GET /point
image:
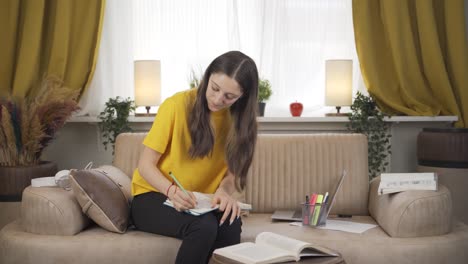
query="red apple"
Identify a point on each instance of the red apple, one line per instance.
(296, 108)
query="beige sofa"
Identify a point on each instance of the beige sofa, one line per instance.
(413, 227)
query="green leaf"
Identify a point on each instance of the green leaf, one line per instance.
(114, 119)
(367, 119)
(264, 90)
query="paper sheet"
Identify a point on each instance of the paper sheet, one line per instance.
(347, 226)
(340, 225)
(43, 182)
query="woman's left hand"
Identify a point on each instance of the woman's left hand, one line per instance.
(227, 204)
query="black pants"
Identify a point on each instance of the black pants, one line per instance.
(200, 235)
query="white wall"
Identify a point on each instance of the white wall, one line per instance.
(79, 143)
(76, 145)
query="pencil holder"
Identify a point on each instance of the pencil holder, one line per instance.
(314, 214)
(305, 214)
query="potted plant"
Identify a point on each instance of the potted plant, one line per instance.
(366, 118)
(264, 93)
(27, 126)
(114, 119)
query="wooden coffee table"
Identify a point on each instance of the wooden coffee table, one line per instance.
(217, 259)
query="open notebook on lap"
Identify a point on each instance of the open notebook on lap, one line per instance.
(296, 215)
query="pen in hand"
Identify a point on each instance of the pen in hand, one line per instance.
(178, 183)
(182, 188)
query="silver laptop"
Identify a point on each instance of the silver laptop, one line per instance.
(296, 215)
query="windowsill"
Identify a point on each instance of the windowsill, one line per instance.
(308, 119)
(345, 119)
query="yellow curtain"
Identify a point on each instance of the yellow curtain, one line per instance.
(48, 37)
(414, 55)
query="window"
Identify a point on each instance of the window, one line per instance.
(289, 40)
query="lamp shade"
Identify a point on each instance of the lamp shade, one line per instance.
(147, 82)
(338, 82)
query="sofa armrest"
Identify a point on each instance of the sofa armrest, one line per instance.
(51, 211)
(411, 213)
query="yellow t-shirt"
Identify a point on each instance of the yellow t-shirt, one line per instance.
(170, 136)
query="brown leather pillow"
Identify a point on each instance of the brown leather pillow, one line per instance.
(101, 199)
(120, 178)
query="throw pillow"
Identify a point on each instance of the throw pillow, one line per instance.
(101, 199)
(120, 178)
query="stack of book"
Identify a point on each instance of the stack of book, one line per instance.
(399, 182)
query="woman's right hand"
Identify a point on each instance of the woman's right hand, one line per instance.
(180, 199)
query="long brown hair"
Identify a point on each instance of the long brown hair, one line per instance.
(242, 136)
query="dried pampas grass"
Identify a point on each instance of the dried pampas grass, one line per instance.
(28, 125)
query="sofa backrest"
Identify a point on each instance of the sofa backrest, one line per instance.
(286, 168)
(128, 148)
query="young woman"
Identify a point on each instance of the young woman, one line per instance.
(206, 138)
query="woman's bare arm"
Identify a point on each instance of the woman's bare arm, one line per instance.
(150, 172)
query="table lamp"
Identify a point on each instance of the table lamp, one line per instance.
(338, 84)
(147, 84)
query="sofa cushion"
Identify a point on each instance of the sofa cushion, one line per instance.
(412, 213)
(95, 245)
(51, 211)
(372, 246)
(101, 199)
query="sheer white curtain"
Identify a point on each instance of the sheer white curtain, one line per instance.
(183, 34)
(289, 40)
(113, 75)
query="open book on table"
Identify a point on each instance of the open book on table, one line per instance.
(204, 204)
(273, 248)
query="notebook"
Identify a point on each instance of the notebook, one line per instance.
(296, 215)
(204, 204)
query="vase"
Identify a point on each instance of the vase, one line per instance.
(14, 179)
(261, 108)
